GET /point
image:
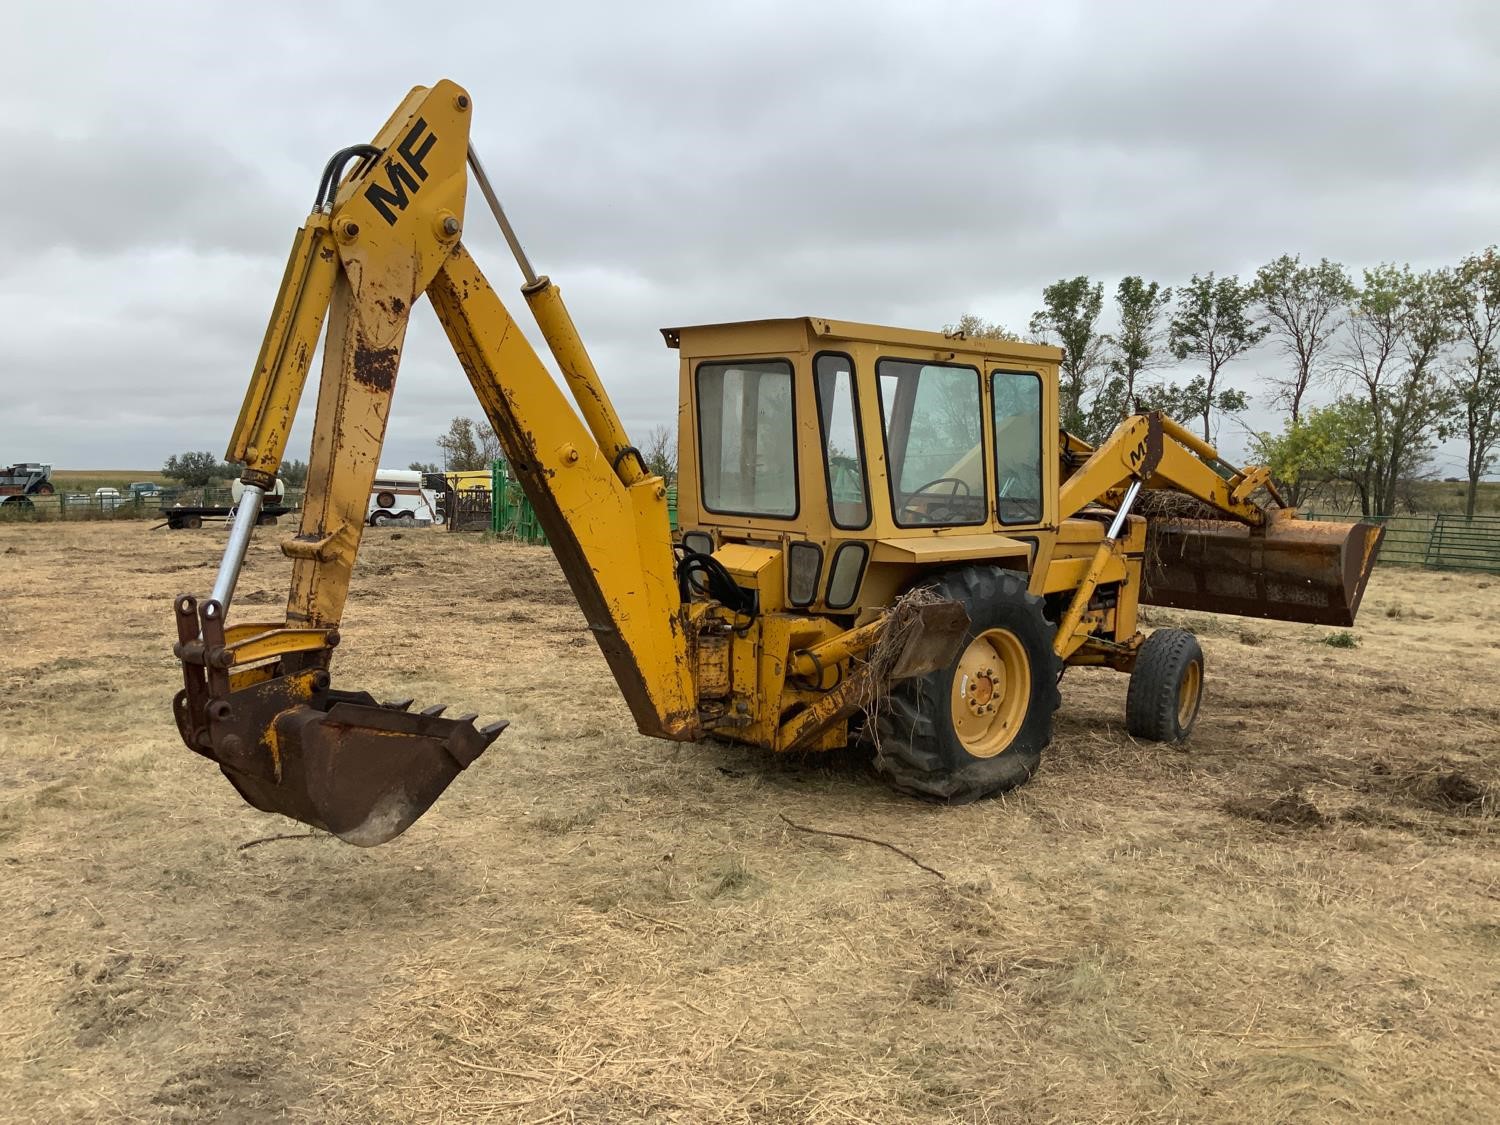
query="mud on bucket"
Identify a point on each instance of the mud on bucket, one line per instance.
(338, 760)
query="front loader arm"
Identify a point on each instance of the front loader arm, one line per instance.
(1254, 561)
(257, 697)
(1162, 454)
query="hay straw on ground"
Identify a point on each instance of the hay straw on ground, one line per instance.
(595, 926)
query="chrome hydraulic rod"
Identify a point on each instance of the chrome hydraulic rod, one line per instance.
(558, 329)
(1117, 524)
(246, 516)
(1068, 626)
(499, 212)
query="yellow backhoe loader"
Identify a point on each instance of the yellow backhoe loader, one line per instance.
(879, 528)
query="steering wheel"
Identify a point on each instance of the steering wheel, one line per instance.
(940, 514)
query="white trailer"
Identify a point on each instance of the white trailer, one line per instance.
(398, 495)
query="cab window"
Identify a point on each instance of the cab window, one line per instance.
(1017, 400)
(746, 438)
(931, 415)
(843, 459)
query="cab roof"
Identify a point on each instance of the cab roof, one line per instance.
(777, 334)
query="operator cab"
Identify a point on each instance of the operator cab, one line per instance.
(855, 444)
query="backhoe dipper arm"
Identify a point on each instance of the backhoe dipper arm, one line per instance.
(257, 696)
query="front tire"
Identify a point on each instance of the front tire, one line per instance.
(1166, 687)
(977, 727)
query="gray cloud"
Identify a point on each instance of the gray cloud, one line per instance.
(680, 163)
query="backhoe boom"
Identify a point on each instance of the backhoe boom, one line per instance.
(256, 696)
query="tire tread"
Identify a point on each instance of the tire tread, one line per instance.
(908, 748)
(1151, 699)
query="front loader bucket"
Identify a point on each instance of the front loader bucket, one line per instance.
(333, 759)
(1289, 570)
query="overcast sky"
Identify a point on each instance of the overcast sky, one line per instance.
(680, 163)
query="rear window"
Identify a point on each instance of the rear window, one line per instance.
(747, 438)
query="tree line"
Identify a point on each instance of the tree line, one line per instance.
(1411, 359)
(469, 444)
(200, 468)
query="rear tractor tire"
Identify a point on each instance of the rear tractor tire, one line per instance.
(1166, 687)
(977, 727)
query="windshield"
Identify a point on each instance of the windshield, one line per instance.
(931, 414)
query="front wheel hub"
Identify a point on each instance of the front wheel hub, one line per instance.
(991, 684)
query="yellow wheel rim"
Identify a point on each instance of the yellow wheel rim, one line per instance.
(991, 691)
(1187, 694)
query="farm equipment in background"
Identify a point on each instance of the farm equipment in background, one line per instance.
(20, 482)
(190, 517)
(400, 496)
(874, 522)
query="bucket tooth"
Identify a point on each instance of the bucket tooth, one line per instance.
(399, 705)
(435, 710)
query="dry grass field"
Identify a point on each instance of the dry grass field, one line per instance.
(1295, 917)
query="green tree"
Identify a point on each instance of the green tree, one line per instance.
(293, 473)
(971, 327)
(1135, 349)
(1326, 444)
(1399, 324)
(1303, 307)
(1193, 399)
(1474, 304)
(468, 445)
(1213, 323)
(1069, 316)
(197, 469)
(660, 452)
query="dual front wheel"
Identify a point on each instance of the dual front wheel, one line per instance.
(978, 727)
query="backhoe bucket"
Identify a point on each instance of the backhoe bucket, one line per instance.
(1289, 570)
(336, 760)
